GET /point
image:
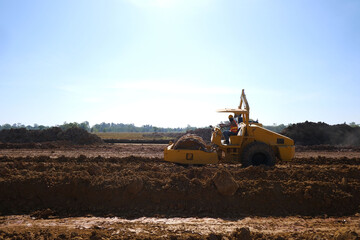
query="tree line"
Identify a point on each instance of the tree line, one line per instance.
(102, 127)
(84, 125)
(121, 127)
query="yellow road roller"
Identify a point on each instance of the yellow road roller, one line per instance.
(250, 144)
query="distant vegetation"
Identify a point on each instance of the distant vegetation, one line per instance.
(276, 128)
(84, 125)
(122, 128)
(101, 128)
(138, 135)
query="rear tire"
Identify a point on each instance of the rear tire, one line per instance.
(256, 154)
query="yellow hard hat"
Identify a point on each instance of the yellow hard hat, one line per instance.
(231, 116)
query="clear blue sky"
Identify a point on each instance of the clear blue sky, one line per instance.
(170, 63)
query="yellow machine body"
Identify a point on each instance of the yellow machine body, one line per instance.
(249, 132)
(283, 147)
(184, 156)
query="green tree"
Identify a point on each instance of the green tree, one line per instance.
(353, 124)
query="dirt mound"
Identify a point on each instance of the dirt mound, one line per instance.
(136, 186)
(310, 133)
(127, 232)
(79, 136)
(204, 133)
(225, 183)
(190, 141)
(73, 135)
(242, 233)
(346, 234)
(45, 214)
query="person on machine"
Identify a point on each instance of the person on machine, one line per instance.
(240, 119)
(233, 129)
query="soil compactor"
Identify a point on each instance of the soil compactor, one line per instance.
(253, 144)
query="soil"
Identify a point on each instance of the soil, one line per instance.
(190, 141)
(204, 133)
(135, 186)
(310, 133)
(126, 191)
(72, 135)
(25, 227)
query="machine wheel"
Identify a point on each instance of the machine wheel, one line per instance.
(257, 153)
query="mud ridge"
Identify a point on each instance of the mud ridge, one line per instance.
(73, 135)
(136, 186)
(310, 133)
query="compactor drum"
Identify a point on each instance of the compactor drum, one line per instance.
(253, 144)
(190, 149)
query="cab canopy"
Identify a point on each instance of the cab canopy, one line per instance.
(240, 111)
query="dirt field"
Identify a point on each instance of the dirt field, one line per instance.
(126, 191)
